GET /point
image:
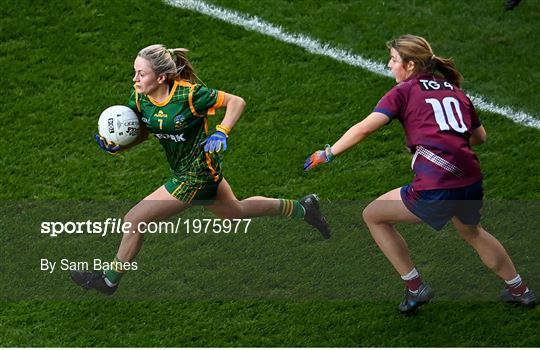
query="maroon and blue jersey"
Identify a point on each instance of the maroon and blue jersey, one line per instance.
(438, 119)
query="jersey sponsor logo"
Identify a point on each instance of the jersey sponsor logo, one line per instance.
(179, 121)
(175, 138)
(160, 114)
(430, 85)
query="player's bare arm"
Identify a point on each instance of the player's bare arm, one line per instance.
(234, 107)
(354, 135)
(359, 132)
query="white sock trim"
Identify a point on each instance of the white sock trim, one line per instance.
(109, 283)
(514, 280)
(412, 274)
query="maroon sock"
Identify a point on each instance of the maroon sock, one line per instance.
(517, 288)
(414, 283)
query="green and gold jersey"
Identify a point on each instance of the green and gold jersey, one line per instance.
(181, 125)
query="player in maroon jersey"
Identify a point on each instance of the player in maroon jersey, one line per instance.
(440, 125)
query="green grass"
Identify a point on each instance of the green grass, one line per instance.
(268, 324)
(484, 42)
(64, 62)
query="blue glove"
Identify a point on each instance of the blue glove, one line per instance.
(319, 157)
(217, 142)
(108, 146)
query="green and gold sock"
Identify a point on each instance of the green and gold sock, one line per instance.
(115, 273)
(291, 208)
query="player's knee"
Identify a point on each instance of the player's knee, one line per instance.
(369, 214)
(133, 224)
(469, 232)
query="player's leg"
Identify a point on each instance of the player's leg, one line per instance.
(157, 206)
(494, 256)
(380, 217)
(226, 205)
(490, 250)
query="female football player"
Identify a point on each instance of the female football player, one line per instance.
(175, 108)
(440, 126)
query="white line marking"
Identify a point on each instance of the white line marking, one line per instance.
(314, 46)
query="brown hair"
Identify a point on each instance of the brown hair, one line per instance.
(171, 62)
(417, 49)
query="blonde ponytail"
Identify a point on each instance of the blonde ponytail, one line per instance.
(171, 62)
(184, 69)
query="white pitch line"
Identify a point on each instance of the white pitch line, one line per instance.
(314, 46)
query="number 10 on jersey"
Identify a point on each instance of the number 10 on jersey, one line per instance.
(448, 114)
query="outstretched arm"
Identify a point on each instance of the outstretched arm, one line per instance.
(359, 132)
(354, 135)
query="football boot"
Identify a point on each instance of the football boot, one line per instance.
(527, 299)
(92, 280)
(412, 301)
(314, 216)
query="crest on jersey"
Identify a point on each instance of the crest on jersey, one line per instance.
(160, 114)
(179, 121)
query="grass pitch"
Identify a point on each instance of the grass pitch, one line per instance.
(64, 62)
